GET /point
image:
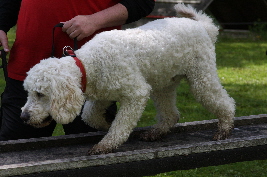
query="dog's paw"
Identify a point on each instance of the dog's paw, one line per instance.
(152, 135)
(222, 135)
(99, 149)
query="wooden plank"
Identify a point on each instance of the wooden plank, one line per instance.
(239, 14)
(180, 1)
(164, 8)
(64, 155)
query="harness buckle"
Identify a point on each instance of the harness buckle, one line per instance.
(68, 51)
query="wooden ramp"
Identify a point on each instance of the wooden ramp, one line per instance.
(240, 14)
(164, 8)
(189, 145)
(230, 14)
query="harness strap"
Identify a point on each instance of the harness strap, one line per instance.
(68, 51)
(80, 65)
(75, 46)
(4, 63)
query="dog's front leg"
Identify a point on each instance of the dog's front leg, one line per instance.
(126, 119)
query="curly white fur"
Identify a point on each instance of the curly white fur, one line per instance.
(129, 66)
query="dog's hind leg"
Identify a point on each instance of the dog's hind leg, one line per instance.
(206, 88)
(167, 113)
(94, 114)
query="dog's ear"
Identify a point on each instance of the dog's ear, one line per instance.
(66, 100)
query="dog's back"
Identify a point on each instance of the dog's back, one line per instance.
(172, 42)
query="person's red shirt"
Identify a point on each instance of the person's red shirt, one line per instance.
(34, 30)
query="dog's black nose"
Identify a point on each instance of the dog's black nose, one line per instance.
(25, 116)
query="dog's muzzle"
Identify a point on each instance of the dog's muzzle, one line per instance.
(25, 116)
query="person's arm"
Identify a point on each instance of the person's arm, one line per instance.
(124, 12)
(83, 26)
(9, 10)
(138, 9)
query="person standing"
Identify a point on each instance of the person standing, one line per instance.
(35, 21)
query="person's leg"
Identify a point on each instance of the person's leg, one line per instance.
(111, 112)
(78, 125)
(13, 98)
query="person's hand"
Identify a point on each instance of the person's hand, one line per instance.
(83, 26)
(4, 41)
(80, 26)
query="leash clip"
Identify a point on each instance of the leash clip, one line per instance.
(68, 51)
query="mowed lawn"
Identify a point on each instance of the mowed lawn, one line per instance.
(242, 68)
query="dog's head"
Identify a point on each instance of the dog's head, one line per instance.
(54, 92)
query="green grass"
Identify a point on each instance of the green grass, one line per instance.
(257, 168)
(242, 66)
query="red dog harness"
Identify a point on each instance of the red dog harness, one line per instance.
(68, 51)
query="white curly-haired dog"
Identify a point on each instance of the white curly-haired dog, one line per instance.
(129, 66)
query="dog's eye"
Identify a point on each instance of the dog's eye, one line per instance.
(40, 95)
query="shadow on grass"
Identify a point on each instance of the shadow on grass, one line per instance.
(241, 54)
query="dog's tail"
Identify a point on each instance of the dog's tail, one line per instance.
(189, 12)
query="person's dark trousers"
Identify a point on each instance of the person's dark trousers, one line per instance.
(78, 126)
(12, 99)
